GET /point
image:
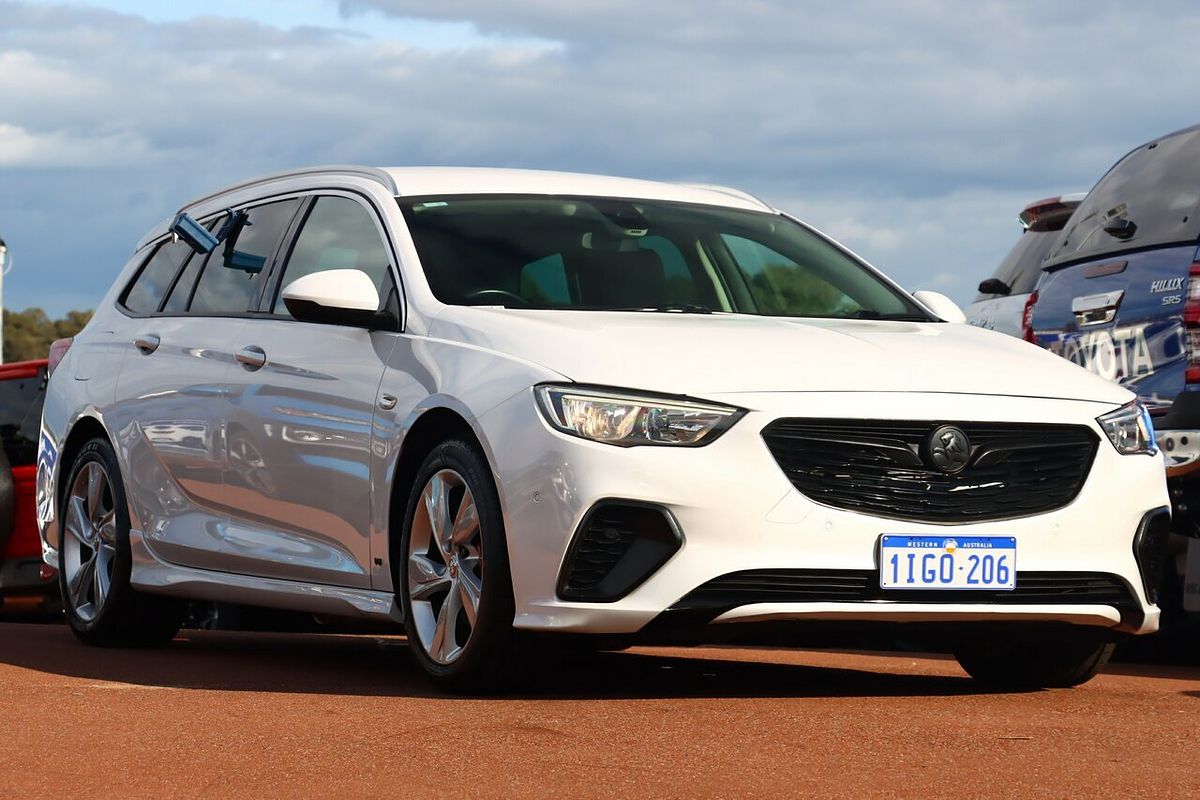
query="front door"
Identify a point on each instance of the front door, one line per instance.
(300, 413)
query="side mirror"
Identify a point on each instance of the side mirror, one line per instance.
(195, 235)
(942, 307)
(994, 286)
(335, 297)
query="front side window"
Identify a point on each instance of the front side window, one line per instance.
(783, 286)
(602, 254)
(231, 275)
(338, 234)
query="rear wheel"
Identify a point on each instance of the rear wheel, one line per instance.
(454, 582)
(1036, 661)
(95, 559)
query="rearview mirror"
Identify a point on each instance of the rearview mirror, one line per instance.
(335, 297)
(942, 307)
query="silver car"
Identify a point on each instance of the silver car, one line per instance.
(492, 403)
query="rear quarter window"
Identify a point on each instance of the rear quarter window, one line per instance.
(148, 289)
(1022, 266)
(1157, 186)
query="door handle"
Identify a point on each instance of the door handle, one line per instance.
(251, 357)
(147, 344)
(1095, 309)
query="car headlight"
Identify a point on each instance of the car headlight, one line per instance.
(613, 417)
(1130, 430)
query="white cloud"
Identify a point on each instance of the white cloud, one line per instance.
(58, 150)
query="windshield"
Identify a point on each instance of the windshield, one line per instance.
(604, 254)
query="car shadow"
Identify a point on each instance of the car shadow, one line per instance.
(357, 665)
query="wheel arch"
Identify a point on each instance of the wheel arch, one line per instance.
(433, 426)
(85, 428)
(82, 431)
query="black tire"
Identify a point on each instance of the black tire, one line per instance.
(485, 662)
(127, 618)
(1036, 661)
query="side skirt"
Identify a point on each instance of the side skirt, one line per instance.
(152, 575)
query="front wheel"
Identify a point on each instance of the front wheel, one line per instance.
(1035, 661)
(454, 583)
(101, 607)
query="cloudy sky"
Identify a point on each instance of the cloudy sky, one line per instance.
(913, 131)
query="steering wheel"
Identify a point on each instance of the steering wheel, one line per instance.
(501, 294)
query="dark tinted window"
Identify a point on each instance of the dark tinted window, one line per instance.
(338, 234)
(178, 299)
(1022, 266)
(181, 292)
(146, 293)
(232, 272)
(1156, 186)
(20, 416)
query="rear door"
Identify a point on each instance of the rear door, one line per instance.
(170, 409)
(1115, 296)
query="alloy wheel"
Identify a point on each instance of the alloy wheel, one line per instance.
(90, 544)
(445, 566)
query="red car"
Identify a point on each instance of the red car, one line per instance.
(22, 573)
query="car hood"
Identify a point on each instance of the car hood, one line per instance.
(709, 354)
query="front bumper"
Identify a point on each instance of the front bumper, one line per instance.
(737, 512)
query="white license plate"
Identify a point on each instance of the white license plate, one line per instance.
(948, 562)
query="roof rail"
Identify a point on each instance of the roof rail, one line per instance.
(380, 176)
(729, 190)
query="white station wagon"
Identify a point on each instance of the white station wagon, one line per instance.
(494, 403)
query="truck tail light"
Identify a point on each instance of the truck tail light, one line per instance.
(1027, 320)
(1191, 321)
(58, 349)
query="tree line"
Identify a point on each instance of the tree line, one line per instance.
(28, 333)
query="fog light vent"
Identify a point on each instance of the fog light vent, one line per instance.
(618, 545)
(1150, 550)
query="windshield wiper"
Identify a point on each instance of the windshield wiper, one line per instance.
(679, 308)
(867, 313)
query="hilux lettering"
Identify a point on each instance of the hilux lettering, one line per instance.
(1166, 285)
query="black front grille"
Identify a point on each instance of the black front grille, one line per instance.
(877, 467)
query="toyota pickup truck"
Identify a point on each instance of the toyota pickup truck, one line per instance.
(1120, 296)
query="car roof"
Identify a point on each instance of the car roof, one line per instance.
(449, 181)
(424, 181)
